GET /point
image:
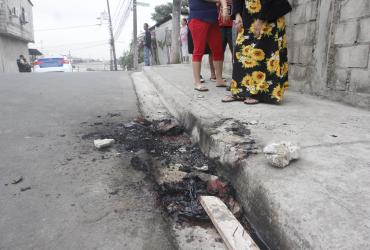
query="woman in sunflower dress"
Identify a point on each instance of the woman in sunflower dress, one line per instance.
(260, 72)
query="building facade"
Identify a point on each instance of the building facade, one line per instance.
(16, 31)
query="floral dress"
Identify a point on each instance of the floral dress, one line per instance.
(260, 63)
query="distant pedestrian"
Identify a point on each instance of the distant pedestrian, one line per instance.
(147, 45)
(184, 40)
(23, 65)
(204, 28)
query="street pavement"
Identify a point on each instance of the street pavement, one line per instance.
(71, 196)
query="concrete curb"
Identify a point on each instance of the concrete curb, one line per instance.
(219, 145)
(314, 204)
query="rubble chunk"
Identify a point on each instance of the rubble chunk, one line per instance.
(281, 154)
(104, 143)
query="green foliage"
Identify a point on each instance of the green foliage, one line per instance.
(164, 10)
(127, 60)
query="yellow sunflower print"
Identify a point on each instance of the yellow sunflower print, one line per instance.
(277, 93)
(258, 54)
(258, 77)
(247, 81)
(263, 86)
(281, 23)
(240, 39)
(253, 6)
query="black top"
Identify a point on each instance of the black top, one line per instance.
(148, 39)
(271, 9)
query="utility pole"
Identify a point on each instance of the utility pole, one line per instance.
(134, 45)
(113, 47)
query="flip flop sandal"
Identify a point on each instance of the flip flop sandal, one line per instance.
(221, 86)
(201, 88)
(251, 101)
(214, 79)
(230, 98)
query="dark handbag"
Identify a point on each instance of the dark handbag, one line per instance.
(276, 9)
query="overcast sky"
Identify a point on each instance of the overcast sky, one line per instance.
(86, 42)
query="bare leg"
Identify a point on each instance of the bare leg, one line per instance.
(211, 66)
(218, 72)
(196, 72)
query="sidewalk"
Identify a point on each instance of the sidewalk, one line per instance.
(321, 201)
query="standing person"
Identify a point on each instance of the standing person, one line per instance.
(260, 71)
(147, 45)
(184, 40)
(226, 28)
(204, 28)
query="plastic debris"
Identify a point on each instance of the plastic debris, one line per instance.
(104, 143)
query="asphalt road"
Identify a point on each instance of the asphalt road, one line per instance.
(76, 197)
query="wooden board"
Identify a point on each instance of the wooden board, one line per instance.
(232, 232)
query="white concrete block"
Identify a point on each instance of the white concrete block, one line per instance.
(354, 9)
(346, 33)
(364, 35)
(352, 57)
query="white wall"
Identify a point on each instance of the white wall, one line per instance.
(10, 49)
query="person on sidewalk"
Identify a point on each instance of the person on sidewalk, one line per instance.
(260, 69)
(147, 45)
(204, 28)
(226, 28)
(184, 40)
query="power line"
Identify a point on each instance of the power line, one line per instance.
(79, 43)
(68, 28)
(118, 11)
(125, 16)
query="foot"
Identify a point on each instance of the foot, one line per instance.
(250, 101)
(230, 98)
(201, 88)
(201, 79)
(213, 79)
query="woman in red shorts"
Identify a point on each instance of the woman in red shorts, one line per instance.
(203, 24)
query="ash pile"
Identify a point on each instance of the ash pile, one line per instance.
(180, 169)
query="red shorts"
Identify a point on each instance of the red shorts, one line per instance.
(203, 32)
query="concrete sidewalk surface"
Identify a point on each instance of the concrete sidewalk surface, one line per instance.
(321, 201)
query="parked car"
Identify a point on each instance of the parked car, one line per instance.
(52, 64)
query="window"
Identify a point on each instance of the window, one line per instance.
(23, 17)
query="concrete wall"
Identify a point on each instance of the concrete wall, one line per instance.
(13, 22)
(329, 46)
(162, 35)
(16, 31)
(10, 50)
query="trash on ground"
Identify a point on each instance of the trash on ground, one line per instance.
(217, 187)
(203, 168)
(104, 143)
(281, 154)
(170, 176)
(25, 189)
(182, 150)
(17, 180)
(169, 127)
(232, 232)
(143, 121)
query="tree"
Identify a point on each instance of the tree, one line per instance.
(161, 12)
(164, 10)
(175, 44)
